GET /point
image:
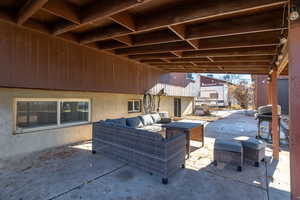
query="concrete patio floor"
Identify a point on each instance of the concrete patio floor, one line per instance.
(74, 173)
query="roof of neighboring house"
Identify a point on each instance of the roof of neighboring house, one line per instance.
(177, 84)
(210, 81)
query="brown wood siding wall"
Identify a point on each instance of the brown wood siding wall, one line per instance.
(33, 60)
(260, 90)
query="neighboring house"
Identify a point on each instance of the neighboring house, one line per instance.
(180, 90)
(52, 91)
(261, 92)
(215, 92)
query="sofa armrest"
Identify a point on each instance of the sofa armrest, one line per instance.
(175, 144)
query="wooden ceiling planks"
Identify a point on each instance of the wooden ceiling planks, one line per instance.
(150, 31)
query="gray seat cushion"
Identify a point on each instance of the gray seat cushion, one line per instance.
(228, 145)
(151, 128)
(251, 142)
(155, 117)
(146, 119)
(134, 122)
(121, 122)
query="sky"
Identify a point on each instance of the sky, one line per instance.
(237, 77)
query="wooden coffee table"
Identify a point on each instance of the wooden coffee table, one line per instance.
(194, 130)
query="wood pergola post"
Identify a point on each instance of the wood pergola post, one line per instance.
(294, 106)
(275, 117)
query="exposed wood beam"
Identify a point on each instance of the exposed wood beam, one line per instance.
(154, 37)
(177, 53)
(178, 60)
(124, 19)
(216, 71)
(232, 52)
(126, 39)
(208, 63)
(206, 10)
(194, 43)
(179, 30)
(151, 60)
(98, 11)
(247, 40)
(268, 21)
(155, 48)
(210, 59)
(104, 33)
(63, 9)
(275, 117)
(284, 59)
(244, 58)
(30, 7)
(153, 55)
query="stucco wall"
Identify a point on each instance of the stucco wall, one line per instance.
(104, 105)
(167, 104)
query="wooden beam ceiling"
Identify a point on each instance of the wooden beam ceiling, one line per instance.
(206, 10)
(215, 35)
(95, 12)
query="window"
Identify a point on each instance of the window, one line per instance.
(134, 106)
(37, 114)
(213, 95)
(73, 111)
(32, 114)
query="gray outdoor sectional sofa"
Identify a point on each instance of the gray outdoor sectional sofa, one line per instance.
(139, 141)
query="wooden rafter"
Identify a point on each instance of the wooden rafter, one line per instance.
(124, 19)
(232, 52)
(63, 9)
(126, 39)
(98, 11)
(207, 10)
(30, 7)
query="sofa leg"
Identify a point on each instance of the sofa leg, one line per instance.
(94, 152)
(256, 164)
(183, 166)
(164, 181)
(239, 168)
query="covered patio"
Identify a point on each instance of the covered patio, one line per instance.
(74, 173)
(125, 46)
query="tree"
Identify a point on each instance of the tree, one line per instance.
(242, 94)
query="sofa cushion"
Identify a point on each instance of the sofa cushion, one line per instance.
(146, 119)
(228, 145)
(251, 143)
(119, 122)
(151, 128)
(134, 122)
(155, 117)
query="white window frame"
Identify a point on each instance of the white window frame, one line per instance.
(134, 111)
(58, 125)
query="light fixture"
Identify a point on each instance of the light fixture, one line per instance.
(280, 56)
(283, 40)
(277, 63)
(294, 15)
